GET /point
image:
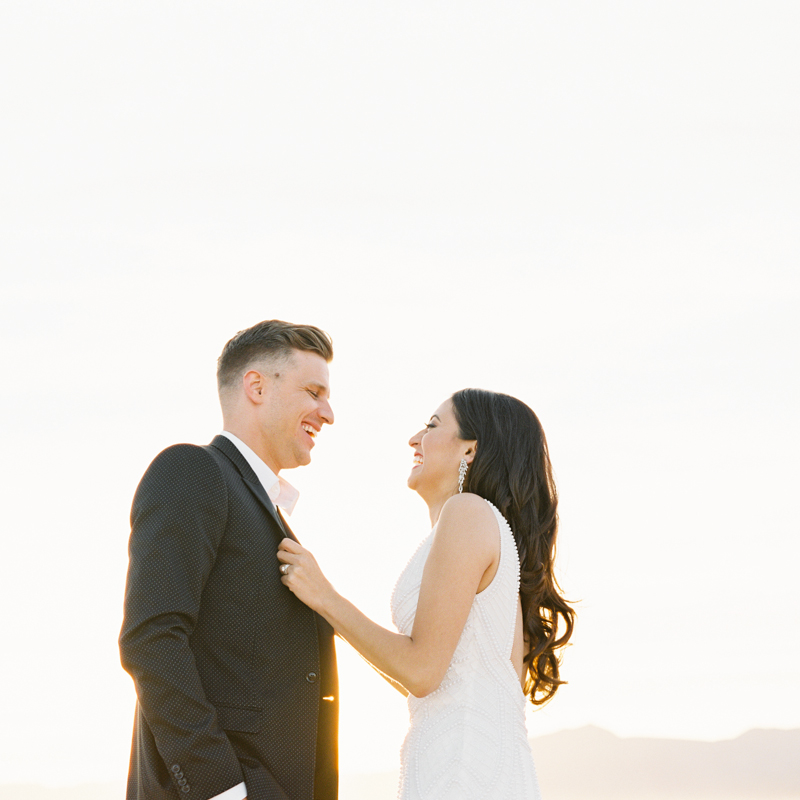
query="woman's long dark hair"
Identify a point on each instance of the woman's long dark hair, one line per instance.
(512, 470)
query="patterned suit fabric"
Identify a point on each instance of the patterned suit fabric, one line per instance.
(230, 669)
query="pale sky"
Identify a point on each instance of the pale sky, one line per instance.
(592, 206)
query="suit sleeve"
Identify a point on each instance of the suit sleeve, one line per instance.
(177, 522)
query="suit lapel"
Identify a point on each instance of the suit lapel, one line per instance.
(289, 531)
(250, 478)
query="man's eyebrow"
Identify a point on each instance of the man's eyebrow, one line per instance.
(321, 386)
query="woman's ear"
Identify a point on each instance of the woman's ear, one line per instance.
(472, 449)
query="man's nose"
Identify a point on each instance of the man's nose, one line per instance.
(326, 412)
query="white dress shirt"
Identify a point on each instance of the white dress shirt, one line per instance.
(280, 491)
(284, 495)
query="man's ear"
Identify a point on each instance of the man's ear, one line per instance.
(255, 386)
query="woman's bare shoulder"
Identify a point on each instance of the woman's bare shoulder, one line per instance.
(468, 517)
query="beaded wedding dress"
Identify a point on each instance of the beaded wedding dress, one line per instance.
(467, 740)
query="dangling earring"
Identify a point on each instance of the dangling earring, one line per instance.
(462, 471)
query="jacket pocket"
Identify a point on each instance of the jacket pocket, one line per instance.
(239, 718)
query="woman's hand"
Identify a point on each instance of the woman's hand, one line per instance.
(301, 573)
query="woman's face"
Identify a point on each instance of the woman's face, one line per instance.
(438, 451)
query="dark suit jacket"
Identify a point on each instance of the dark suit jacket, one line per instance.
(231, 670)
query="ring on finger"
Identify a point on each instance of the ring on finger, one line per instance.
(284, 569)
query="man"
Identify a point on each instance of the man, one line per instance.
(236, 679)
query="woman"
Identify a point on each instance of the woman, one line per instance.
(477, 608)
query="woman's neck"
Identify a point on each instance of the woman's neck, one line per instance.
(435, 507)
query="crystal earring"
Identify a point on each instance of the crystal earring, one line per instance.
(462, 471)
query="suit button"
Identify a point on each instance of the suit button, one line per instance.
(175, 768)
(311, 677)
(185, 788)
(178, 775)
(182, 782)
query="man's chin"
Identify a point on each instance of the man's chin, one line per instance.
(303, 458)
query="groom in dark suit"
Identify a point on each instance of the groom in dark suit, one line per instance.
(236, 679)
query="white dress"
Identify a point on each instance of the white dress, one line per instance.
(467, 740)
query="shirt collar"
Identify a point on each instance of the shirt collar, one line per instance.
(280, 491)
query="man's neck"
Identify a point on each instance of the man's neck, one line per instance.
(253, 441)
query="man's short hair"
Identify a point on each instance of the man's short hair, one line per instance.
(271, 339)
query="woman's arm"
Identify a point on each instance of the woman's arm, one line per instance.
(391, 681)
(463, 558)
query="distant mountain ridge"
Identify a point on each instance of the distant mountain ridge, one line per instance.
(592, 764)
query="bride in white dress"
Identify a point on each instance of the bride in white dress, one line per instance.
(477, 609)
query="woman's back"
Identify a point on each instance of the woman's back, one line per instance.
(468, 738)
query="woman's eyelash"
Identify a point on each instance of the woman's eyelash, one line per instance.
(429, 425)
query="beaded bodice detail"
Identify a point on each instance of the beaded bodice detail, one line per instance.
(468, 738)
